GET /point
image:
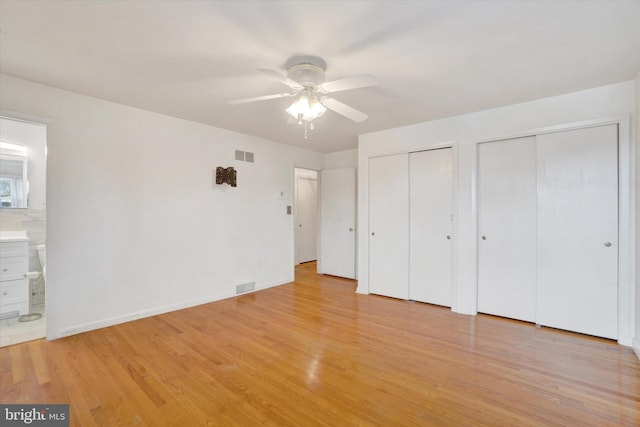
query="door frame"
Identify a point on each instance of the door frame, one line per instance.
(625, 212)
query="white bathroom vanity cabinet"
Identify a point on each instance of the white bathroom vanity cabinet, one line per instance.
(14, 264)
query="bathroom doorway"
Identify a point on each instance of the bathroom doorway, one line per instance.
(22, 230)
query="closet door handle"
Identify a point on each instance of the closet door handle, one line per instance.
(608, 244)
(448, 237)
(484, 237)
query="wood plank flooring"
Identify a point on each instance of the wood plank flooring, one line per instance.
(315, 353)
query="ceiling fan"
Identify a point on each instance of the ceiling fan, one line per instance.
(305, 77)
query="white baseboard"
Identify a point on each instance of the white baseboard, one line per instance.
(98, 324)
(625, 341)
(465, 312)
(636, 346)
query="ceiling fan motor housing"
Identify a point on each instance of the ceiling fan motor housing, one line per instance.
(308, 71)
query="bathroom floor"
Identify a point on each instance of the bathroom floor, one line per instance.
(13, 332)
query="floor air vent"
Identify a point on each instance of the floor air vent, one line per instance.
(245, 287)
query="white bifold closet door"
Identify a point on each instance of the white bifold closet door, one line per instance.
(338, 222)
(389, 225)
(578, 230)
(548, 229)
(430, 225)
(507, 228)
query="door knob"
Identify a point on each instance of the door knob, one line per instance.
(351, 229)
(484, 237)
(299, 225)
(448, 237)
(608, 244)
(373, 234)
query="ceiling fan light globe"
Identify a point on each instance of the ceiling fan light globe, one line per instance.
(299, 107)
(317, 108)
(307, 108)
(314, 110)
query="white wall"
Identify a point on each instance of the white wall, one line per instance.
(135, 225)
(463, 133)
(341, 159)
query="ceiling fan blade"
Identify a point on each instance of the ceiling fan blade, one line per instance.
(364, 80)
(260, 98)
(345, 110)
(281, 78)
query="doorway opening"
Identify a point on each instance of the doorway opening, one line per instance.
(305, 206)
(22, 235)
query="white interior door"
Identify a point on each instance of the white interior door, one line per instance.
(507, 228)
(306, 219)
(430, 223)
(337, 222)
(389, 225)
(578, 229)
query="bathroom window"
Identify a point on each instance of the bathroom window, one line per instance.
(13, 183)
(10, 188)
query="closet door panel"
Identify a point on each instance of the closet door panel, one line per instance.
(578, 229)
(430, 224)
(507, 228)
(338, 222)
(389, 225)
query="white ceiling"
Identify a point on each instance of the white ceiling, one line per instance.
(433, 58)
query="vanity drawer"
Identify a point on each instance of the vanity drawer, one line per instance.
(11, 249)
(20, 307)
(13, 268)
(12, 292)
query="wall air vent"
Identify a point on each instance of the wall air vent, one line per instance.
(245, 287)
(244, 156)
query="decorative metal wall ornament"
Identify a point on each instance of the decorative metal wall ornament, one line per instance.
(226, 175)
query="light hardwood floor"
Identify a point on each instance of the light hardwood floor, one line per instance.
(315, 353)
